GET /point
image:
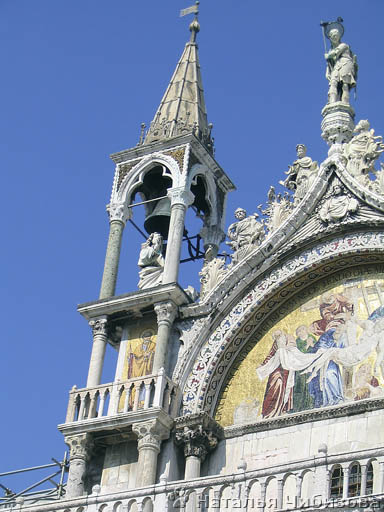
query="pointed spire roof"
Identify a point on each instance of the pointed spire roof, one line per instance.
(182, 109)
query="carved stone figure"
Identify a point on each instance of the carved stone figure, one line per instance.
(151, 262)
(362, 152)
(337, 206)
(246, 231)
(301, 173)
(341, 65)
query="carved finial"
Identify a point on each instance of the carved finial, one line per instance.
(142, 133)
(194, 27)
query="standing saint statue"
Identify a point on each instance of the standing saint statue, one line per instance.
(151, 262)
(246, 231)
(341, 64)
(301, 173)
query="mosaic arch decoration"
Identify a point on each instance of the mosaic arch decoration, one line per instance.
(203, 384)
(328, 351)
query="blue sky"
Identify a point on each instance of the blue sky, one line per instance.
(78, 78)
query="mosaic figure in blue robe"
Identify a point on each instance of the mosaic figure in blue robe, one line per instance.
(332, 392)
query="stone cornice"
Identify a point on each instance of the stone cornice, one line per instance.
(134, 302)
(119, 422)
(337, 411)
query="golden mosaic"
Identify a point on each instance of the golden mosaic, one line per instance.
(328, 351)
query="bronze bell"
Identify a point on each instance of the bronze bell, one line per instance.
(158, 220)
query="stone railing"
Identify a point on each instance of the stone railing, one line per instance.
(131, 395)
(303, 484)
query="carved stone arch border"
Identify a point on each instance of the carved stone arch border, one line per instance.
(136, 175)
(202, 383)
(211, 189)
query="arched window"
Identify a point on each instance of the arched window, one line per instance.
(369, 486)
(354, 481)
(336, 489)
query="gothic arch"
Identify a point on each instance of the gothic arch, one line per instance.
(136, 175)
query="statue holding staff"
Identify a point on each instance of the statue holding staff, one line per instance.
(341, 63)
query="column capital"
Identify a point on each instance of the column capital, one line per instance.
(179, 195)
(119, 211)
(150, 434)
(99, 325)
(80, 446)
(198, 434)
(166, 312)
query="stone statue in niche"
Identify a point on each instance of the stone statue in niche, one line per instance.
(341, 64)
(337, 205)
(362, 152)
(278, 209)
(301, 174)
(151, 262)
(246, 231)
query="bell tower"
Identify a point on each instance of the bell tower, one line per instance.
(117, 430)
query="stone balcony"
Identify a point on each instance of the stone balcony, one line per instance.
(120, 403)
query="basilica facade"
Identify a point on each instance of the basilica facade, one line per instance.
(264, 390)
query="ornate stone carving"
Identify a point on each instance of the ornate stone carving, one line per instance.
(301, 174)
(337, 205)
(337, 125)
(188, 329)
(99, 326)
(150, 434)
(362, 152)
(166, 312)
(198, 434)
(80, 446)
(124, 170)
(211, 274)
(341, 64)
(278, 208)
(179, 195)
(151, 262)
(118, 211)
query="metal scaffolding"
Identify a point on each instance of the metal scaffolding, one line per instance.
(33, 494)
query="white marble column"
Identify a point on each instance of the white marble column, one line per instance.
(181, 199)
(79, 447)
(345, 481)
(166, 313)
(99, 330)
(280, 488)
(118, 215)
(363, 485)
(150, 434)
(381, 476)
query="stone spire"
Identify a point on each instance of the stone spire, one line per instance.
(182, 109)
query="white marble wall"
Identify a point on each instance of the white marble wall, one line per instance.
(265, 449)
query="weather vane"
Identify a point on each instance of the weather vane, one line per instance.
(189, 10)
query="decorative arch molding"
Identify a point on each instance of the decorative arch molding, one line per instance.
(136, 175)
(215, 353)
